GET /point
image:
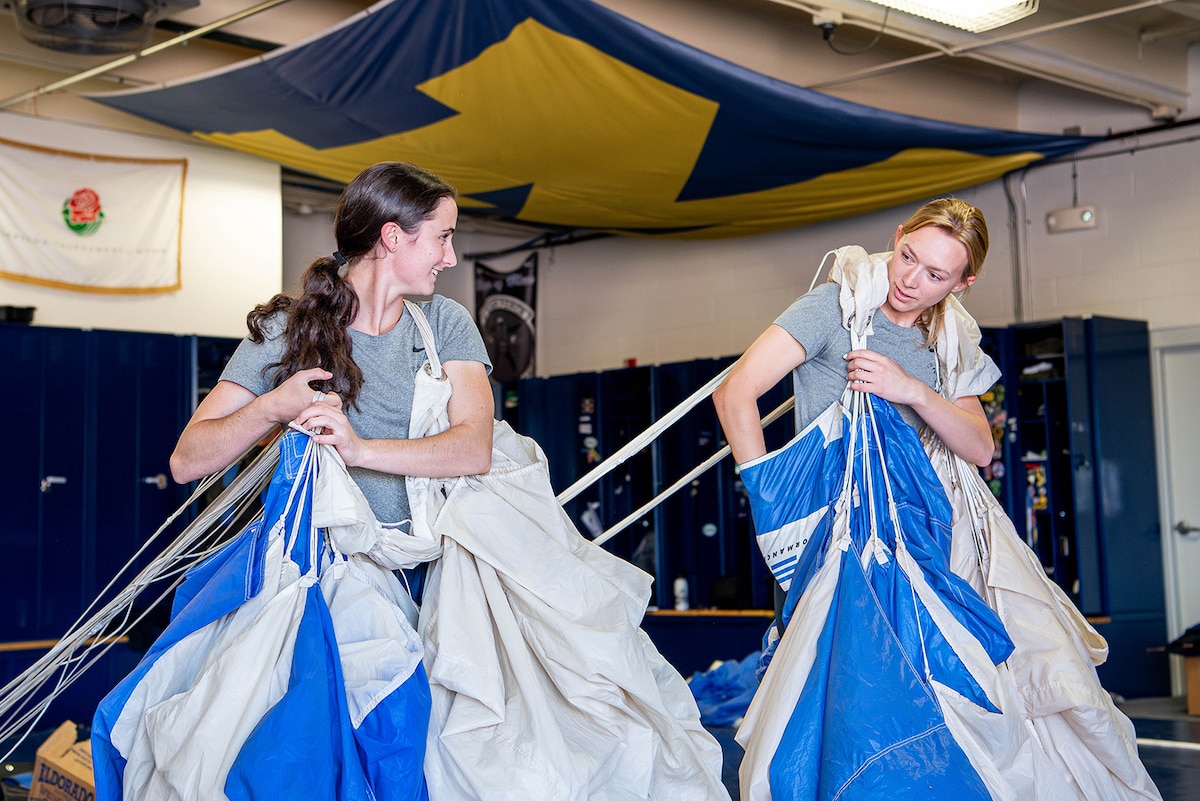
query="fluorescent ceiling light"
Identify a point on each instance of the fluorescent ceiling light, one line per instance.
(970, 15)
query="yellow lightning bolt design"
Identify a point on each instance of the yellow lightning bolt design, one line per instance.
(609, 147)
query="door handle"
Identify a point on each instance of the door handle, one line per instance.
(159, 481)
(50, 481)
(1184, 529)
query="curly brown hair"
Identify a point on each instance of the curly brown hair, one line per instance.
(316, 332)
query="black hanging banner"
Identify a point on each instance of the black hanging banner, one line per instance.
(504, 310)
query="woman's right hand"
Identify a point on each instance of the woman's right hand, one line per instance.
(296, 394)
(231, 418)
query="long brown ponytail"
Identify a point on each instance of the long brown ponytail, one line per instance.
(317, 331)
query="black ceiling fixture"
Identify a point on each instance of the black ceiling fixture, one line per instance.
(92, 27)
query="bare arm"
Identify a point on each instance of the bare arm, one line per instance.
(231, 418)
(771, 357)
(464, 449)
(961, 425)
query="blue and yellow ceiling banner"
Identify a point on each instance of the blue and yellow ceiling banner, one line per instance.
(564, 114)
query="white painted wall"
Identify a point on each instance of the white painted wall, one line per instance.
(305, 237)
(1143, 258)
(232, 225)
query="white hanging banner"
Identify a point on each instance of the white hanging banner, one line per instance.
(90, 223)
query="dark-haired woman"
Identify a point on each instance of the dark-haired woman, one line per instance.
(341, 357)
(587, 707)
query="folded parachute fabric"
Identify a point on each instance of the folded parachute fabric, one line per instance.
(723, 692)
(289, 669)
(544, 686)
(1089, 740)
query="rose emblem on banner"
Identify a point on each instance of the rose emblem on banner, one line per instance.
(82, 213)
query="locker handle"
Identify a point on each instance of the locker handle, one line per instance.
(1183, 528)
(50, 481)
(159, 481)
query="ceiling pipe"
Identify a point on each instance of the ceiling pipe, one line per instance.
(144, 52)
(1163, 103)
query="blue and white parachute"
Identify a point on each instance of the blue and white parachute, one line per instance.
(289, 669)
(882, 637)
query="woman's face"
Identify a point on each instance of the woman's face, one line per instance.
(927, 265)
(422, 256)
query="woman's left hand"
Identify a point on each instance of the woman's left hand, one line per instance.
(868, 371)
(325, 418)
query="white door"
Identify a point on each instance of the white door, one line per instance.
(1177, 385)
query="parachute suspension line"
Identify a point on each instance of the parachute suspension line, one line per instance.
(69, 660)
(86, 643)
(894, 519)
(202, 487)
(642, 440)
(234, 497)
(857, 427)
(864, 417)
(820, 267)
(849, 399)
(893, 512)
(699, 469)
(88, 639)
(306, 476)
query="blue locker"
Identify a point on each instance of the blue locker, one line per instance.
(999, 404)
(698, 538)
(136, 424)
(21, 483)
(64, 462)
(704, 532)
(625, 407)
(560, 414)
(100, 413)
(1081, 479)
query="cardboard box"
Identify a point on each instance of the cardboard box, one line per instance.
(63, 769)
(1191, 666)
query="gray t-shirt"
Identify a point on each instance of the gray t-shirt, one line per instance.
(389, 363)
(815, 320)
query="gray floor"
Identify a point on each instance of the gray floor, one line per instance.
(1168, 741)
